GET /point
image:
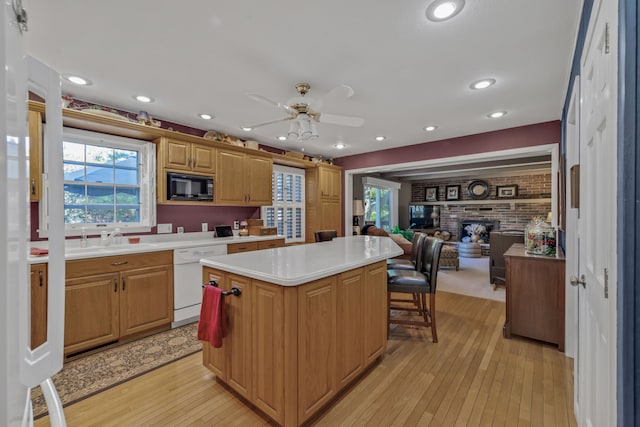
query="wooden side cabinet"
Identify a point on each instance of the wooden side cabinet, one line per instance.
(38, 304)
(535, 296)
(243, 179)
(323, 193)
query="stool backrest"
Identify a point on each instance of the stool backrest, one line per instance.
(431, 260)
(416, 250)
(325, 235)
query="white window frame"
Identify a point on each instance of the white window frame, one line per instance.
(147, 170)
(394, 194)
(284, 204)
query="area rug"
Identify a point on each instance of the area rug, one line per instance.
(97, 372)
(472, 279)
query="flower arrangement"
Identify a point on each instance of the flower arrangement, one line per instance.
(475, 228)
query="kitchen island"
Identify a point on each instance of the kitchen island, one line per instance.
(310, 319)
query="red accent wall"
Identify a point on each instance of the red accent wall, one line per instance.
(518, 137)
(189, 217)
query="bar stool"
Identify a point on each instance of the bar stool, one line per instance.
(325, 235)
(416, 255)
(420, 282)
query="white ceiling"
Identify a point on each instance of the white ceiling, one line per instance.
(407, 72)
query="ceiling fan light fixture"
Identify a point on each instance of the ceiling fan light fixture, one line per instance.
(294, 130)
(314, 131)
(441, 10)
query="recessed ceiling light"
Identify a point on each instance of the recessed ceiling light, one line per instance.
(246, 128)
(205, 116)
(380, 138)
(282, 138)
(340, 146)
(143, 98)
(430, 128)
(497, 114)
(80, 81)
(441, 10)
(482, 84)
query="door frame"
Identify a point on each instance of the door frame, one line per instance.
(628, 233)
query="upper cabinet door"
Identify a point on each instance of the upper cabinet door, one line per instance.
(258, 181)
(203, 158)
(177, 154)
(330, 187)
(229, 186)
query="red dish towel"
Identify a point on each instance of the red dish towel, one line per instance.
(212, 326)
(39, 252)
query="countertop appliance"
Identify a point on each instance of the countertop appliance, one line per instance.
(187, 281)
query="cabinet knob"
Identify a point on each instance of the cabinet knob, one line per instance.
(115, 285)
(575, 281)
(123, 284)
(40, 274)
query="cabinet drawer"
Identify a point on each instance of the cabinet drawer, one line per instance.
(235, 248)
(270, 244)
(89, 266)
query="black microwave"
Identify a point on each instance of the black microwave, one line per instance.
(197, 188)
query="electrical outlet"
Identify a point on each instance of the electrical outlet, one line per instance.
(236, 225)
(165, 228)
(205, 226)
(180, 229)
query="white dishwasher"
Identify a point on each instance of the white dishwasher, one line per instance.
(187, 281)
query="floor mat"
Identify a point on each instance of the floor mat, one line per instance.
(92, 374)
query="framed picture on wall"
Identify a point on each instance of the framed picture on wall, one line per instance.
(507, 191)
(453, 192)
(431, 194)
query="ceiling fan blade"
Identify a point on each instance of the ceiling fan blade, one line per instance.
(335, 119)
(267, 123)
(342, 91)
(271, 102)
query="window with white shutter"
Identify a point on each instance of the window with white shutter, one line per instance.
(287, 211)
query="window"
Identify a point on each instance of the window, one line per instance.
(109, 182)
(380, 202)
(287, 212)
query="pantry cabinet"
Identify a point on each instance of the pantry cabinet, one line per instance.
(111, 298)
(323, 200)
(39, 290)
(242, 179)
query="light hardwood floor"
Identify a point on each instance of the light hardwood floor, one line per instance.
(472, 377)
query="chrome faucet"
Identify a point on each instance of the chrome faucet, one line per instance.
(106, 238)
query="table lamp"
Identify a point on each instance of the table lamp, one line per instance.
(358, 211)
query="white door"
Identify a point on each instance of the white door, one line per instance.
(598, 145)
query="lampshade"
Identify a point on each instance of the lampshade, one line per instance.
(358, 207)
(305, 126)
(294, 130)
(143, 117)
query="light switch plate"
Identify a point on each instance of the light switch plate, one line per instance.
(165, 228)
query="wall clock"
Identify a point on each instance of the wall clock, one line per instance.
(478, 189)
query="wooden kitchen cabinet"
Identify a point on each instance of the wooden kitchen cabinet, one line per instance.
(350, 341)
(535, 296)
(111, 298)
(270, 244)
(91, 311)
(35, 156)
(145, 294)
(323, 192)
(374, 302)
(235, 248)
(38, 304)
(243, 179)
(306, 343)
(187, 156)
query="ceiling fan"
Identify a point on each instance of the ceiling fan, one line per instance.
(303, 112)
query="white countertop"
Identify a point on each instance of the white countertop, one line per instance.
(296, 265)
(148, 243)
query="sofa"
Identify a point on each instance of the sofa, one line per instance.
(372, 230)
(501, 241)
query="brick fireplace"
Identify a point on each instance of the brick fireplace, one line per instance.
(489, 224)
